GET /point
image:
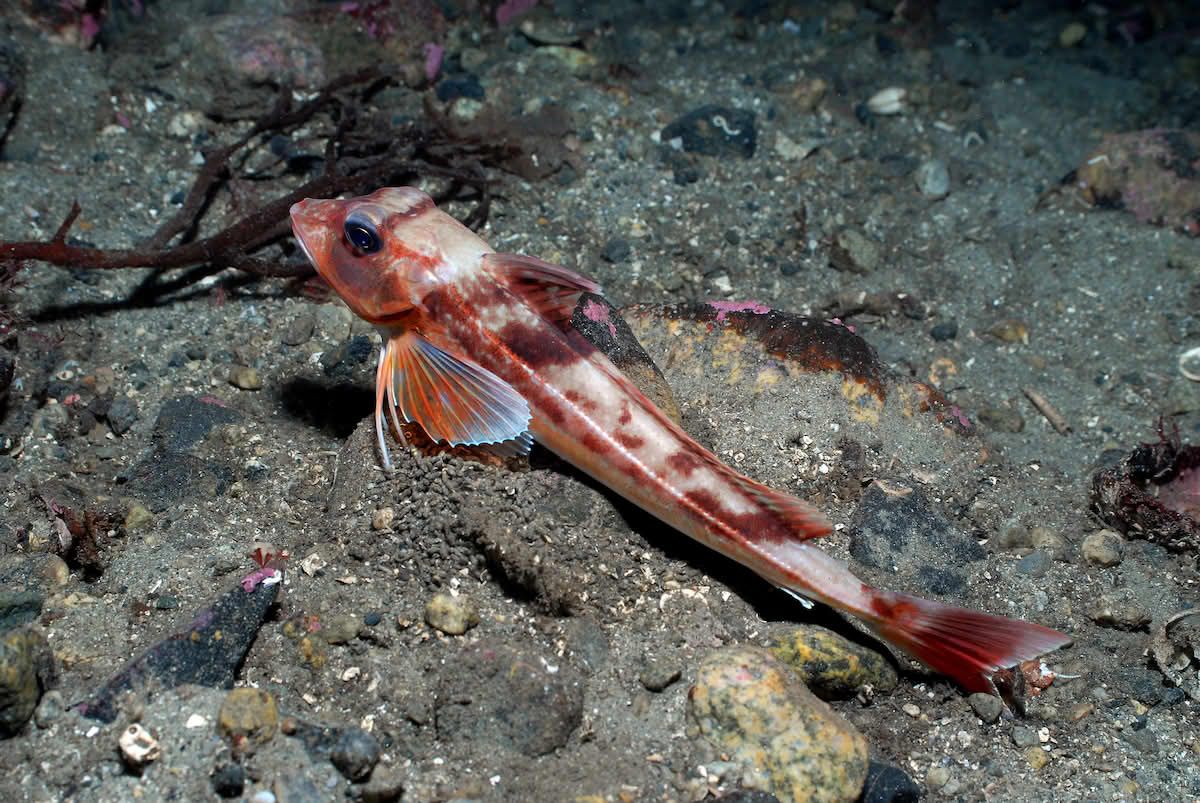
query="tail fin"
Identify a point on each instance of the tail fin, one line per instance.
(965, 645)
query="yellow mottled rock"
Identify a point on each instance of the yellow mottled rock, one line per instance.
(833, 667)
(248, 717)
(753, 708)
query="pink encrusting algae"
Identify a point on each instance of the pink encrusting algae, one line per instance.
(478, 349)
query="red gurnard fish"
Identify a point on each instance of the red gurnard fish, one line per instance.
(477, 350)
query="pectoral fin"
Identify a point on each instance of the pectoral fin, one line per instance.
(453, 399)
(550, 289)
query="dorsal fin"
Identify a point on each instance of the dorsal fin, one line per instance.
(550, 289)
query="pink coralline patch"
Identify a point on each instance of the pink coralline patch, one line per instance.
(960, 415)
(838, 321)
(723, 308)
(598, 313)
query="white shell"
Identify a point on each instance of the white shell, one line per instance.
(1189, 364)
(887, 101)
(138, 746)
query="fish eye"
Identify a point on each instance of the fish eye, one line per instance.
(361, 233)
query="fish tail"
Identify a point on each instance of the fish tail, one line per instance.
(967, 646)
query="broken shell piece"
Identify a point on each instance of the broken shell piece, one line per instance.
(1189, 364)
(138, 747)
(887, 101)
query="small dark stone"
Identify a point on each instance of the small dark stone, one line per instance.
(732, 237)
(1139, 722)
(617, 249)
(465, 86)
(228, 780)
(714, 131)
(946, 330)
(659, 672)
(167, 602)
(121, 414)
(355, 754)
(196, 353)
(1035, 564)
(888, 784)
(372, 619)
(177, 359)
(340, 362)
(1174, 695)
(790, 268)
(688, 175)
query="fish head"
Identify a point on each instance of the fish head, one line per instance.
(383, 252)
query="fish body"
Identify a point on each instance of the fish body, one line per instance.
(478, 350)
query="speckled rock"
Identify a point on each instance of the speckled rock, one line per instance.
(248, 716)
(355, 754)
(451, 614)
(1103, 548)
(833, 667)
(752, 707)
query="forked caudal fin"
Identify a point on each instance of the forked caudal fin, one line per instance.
(966, 646)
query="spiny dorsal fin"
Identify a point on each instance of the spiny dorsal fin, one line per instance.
(550, 289)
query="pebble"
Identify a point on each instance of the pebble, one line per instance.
(453, 615)
(1037, 757)
(659, 671)
(355, 754)
(1035, 564)
(229, 779)
(300, 328)
(988, 707)
(933, 178)
(333, 322)
(54, 571)
(50, 709)
(889, 784)
(1000, 419)
(1049, 541)
(753, 708)
(245, 377)
(383, 518)
(946, 330)
(854, 252)
(1072, 34)
(122, 414)
(26, 667)
(1010, 330)
(617, 249)
(340, 628)
(832, 666)
(714, 131)
(1119, 609)
(137, 517)
(937, 777)
(1103, 548)
(1024, 736)
(248, 717)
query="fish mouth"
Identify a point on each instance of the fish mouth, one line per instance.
(301, 227)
